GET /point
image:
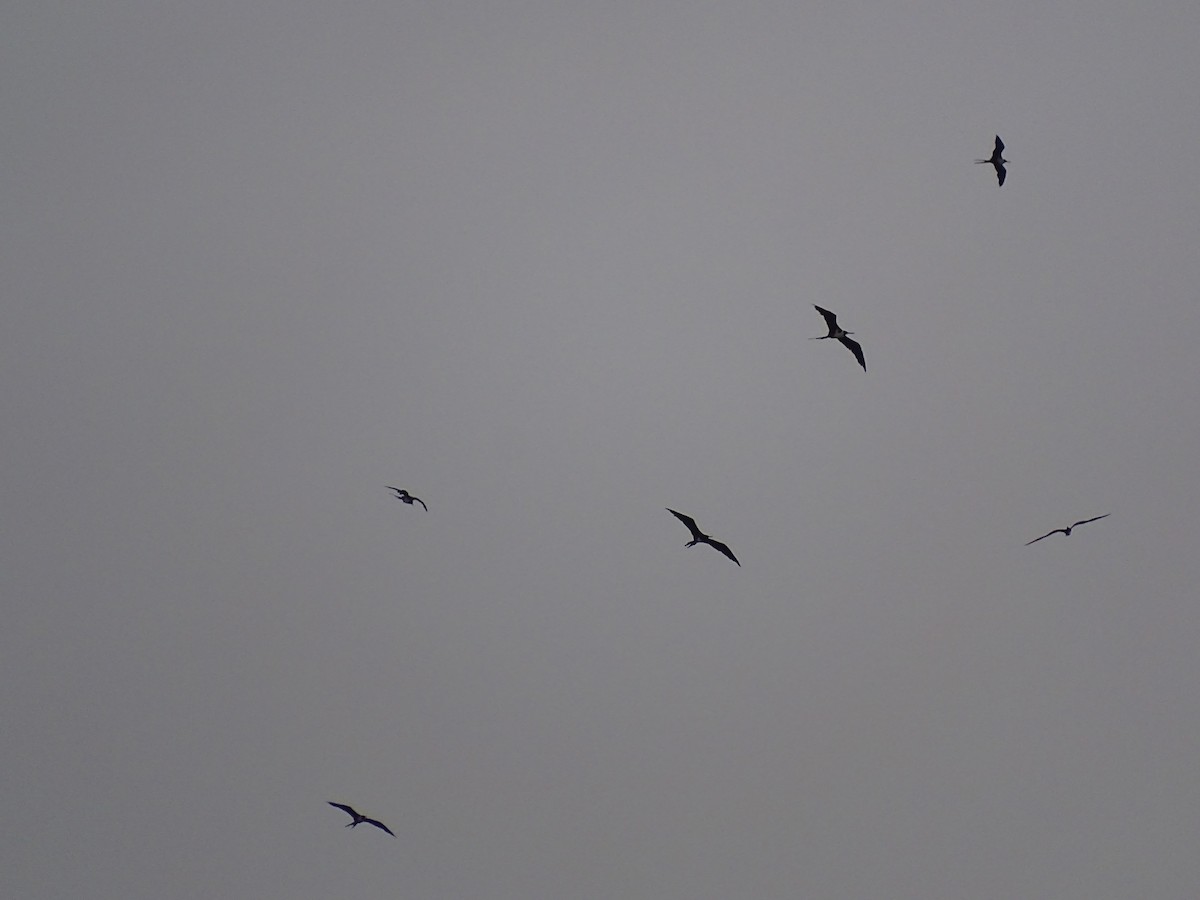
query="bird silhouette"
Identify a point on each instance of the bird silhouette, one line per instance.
(1067, 530)
(997, 160)
(408, 498)
(358, 817)
(839, 333)
(699, 537)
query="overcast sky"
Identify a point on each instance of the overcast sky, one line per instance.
(551, 266)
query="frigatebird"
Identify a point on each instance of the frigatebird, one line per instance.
(1067, 530)
(699, 537)
(358, 817)
(997, 160)
(407, 497)
(835, 331)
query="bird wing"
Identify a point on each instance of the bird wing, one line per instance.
(422, 502)
(399, 493)
(1000, 173)
(697, 534)
(1097, 519)
(342, 806)
(1046, 535)
(719, 546)
(379, 824)
(854, 347)
(830, 318)
(999, 145)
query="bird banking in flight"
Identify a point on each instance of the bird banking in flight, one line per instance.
(358, 817)
(836, 331)
(408, 498)
(699, 537)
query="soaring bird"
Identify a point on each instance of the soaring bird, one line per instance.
(835, 331)
(408, 498)
(997, 160)
(358, 817)
(1067, 530)
(699, 537)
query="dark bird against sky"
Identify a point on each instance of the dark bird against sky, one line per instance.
(997, 160)
(835, 331)
(699, 537)
(408, 498)
(1067, 530)
(358, 817)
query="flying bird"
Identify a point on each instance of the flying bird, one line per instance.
(997, 160)
(408, 498)
(358, 817)
(835, 331)
(699, 537)
(1067, 530)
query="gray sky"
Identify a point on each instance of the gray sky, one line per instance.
(551, 267)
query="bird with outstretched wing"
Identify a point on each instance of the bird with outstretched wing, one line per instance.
(997, 160)
(840, 334)
(699, 537)
(359, 818)
(1067, 531)
(408, 498)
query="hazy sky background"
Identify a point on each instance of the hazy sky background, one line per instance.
(551, 267)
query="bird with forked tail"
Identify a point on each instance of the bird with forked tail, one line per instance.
(996, 160)
(838, 333)
(699, 537)
(408, 498)
(358, 817)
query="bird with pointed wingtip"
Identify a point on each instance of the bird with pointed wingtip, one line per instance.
(408, 498)
(839, 333)
(699, 537)
(1067, 530)
(358, 817)
(996, 160)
